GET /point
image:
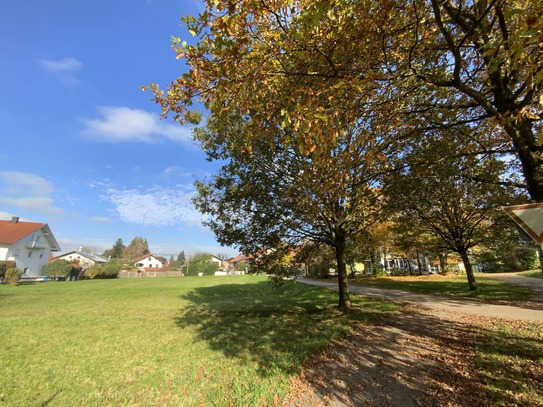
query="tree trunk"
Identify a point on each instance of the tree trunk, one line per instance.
(530, 155)
(343, 283)
(372, 261)
(469, 270)
(443, 262)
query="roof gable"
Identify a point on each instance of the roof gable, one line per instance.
(160, 259)
(11, 232)
(94, 257)
(239, 258)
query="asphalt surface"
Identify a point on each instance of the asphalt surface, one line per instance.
(447, 304)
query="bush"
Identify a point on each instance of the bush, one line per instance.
(380, 271)
(4, 265)
(92, 272)
(320, 270)
(109, 270)
(397, 272)
(13, 275)
(58, 268)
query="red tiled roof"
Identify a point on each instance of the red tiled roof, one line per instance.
(237, 259)
(13, 232)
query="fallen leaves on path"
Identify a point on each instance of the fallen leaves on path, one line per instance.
(415, 358)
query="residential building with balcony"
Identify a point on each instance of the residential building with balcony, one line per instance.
(28, 244)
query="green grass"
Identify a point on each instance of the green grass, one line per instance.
(227, 341)
(454, 286)
(510, 362)
(532, 273)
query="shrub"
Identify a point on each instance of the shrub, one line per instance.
(380, 271)
(319, 270)
(13, 275)
(92, 272)
(4, 265)
(109, 270)
(397, 272)
(58, 268)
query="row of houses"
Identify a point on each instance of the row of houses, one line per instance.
(31, 245)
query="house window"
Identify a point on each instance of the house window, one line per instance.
(29, 254)
(149, 259)
(41, 255)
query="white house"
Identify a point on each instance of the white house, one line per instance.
(29, 244)
(85, 260)
(150, 262)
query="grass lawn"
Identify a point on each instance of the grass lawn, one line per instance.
(510, 362)
(187, 341)
(533, 273)
(455, 286)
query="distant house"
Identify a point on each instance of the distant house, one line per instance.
(239, 260)
(29, 244)
(150, 262)
(83, 259)
(228, 267)
(220, 263)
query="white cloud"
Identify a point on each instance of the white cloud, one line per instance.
(34, 204)
(122, 124)
(177, 172)
(27, 192)
(100, 219)
(63, 69)
(66, 64)
(155, 207)
(21, 183)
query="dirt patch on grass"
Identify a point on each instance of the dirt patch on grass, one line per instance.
(415, 358)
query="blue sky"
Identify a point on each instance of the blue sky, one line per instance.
(83, 147)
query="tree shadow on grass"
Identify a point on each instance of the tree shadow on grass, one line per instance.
(276, 328)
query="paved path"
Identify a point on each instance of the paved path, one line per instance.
(515, 278)
(447, 304)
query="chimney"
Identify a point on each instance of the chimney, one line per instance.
(14, 219)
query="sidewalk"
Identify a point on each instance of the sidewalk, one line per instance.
(444, 304)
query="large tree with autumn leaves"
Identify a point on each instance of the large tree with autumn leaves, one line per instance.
(417, 63)
(301, 73)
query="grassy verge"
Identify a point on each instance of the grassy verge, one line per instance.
(532, 273)
(172, 342)
(510, 362)
(455, 286)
